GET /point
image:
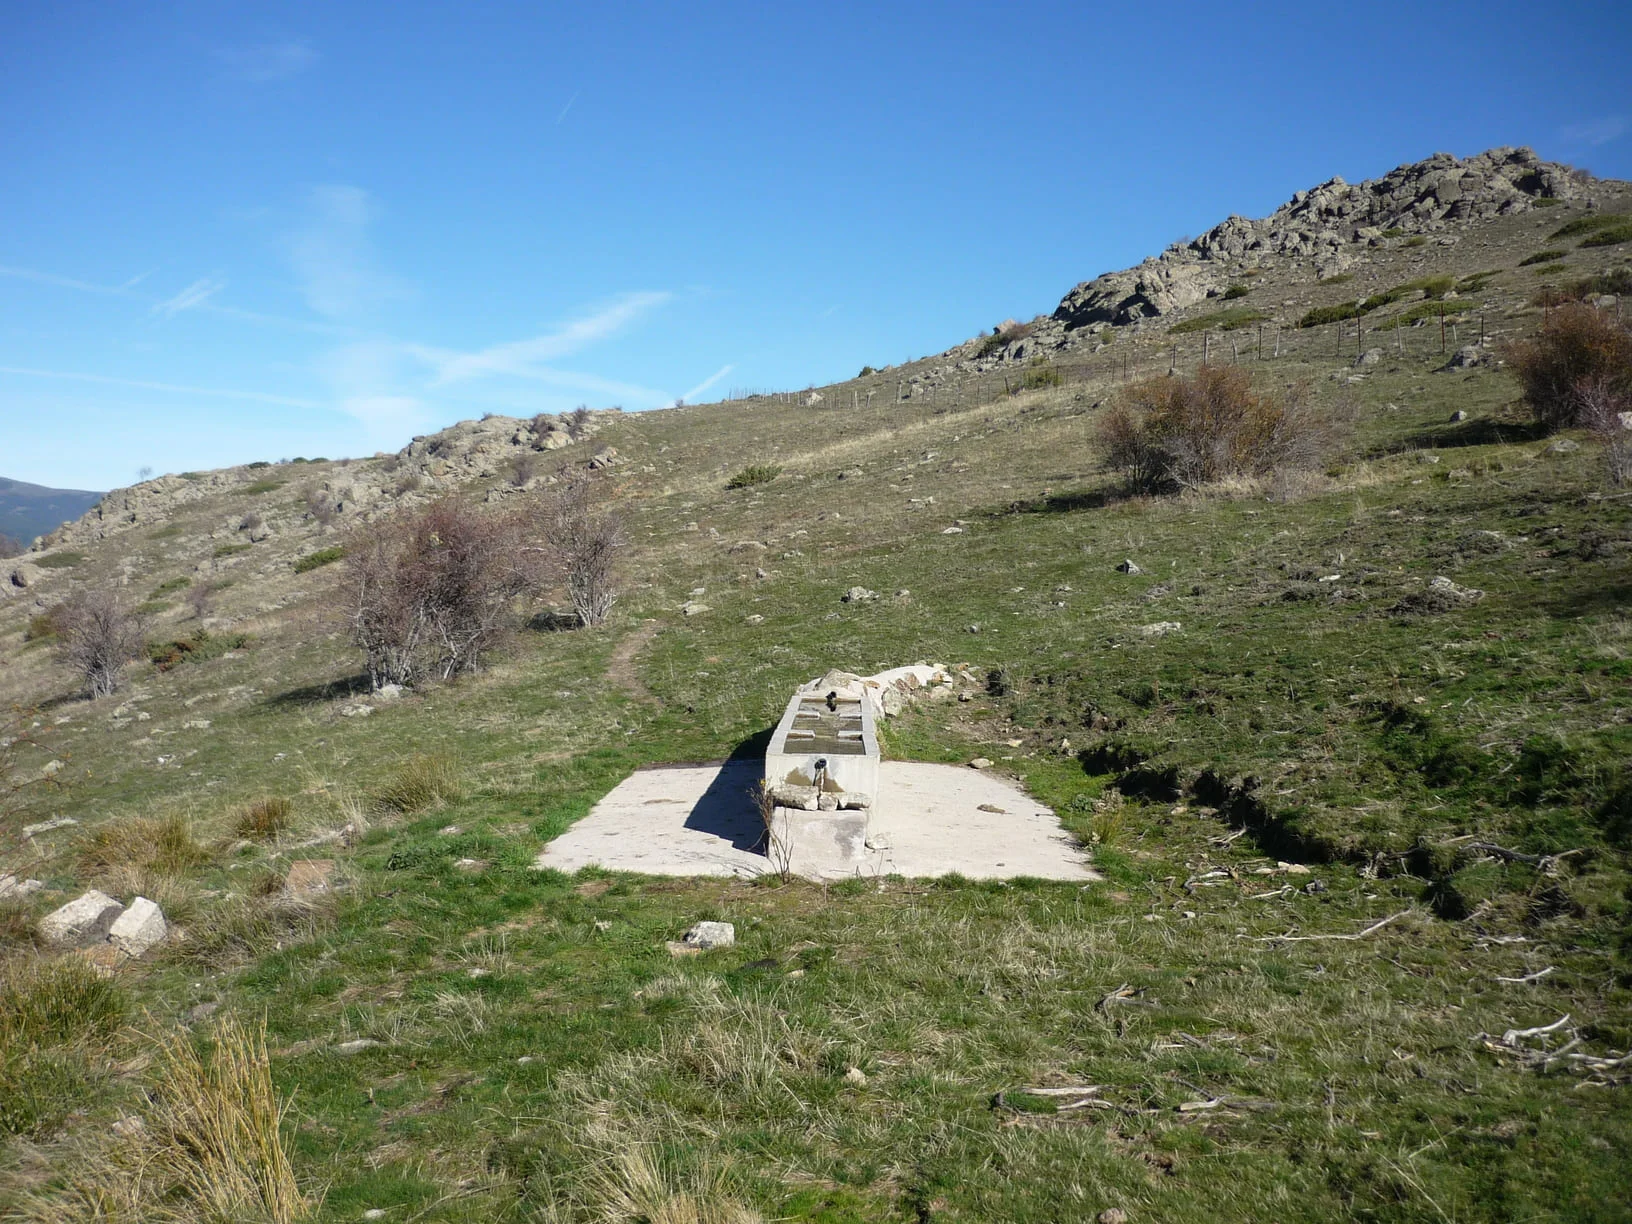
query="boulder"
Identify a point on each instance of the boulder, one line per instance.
(139, 928)
(708, 935)
(1467, 357)
(16, 890)
(1370, 357)
(83, 921)
(857, 594)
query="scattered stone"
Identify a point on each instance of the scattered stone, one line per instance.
(856, 1077)
(356, 1046)
(1564, 446)
(980, 763)
(1427, 457)
(45, 826)
(951, 530)
(129, 1127)
(877, 842)
(1467, 357)
(1129, 568)
(378, 1213)
(450, 831)
(196, 724)
(1160, 628)
(992, 808)
(388, 692)
(692, 608)
(755, 619)
(1315, 887)
(469, 864)
(707, 936)
(12, 887)
(857, 594)
(139, 928)
(1370, 357)
(1112, 1215)
(360, 710)
(1441, 595)
(1458, 416)
(83, 921)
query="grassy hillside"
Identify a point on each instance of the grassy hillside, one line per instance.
(1289, 996)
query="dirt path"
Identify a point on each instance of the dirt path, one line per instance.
(620, 668)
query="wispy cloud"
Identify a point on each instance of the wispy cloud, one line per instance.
(708, 382)
(258, 397)
(333, 256)
(190, 298)
(65, 282)
(267, 62)
(522, 358)
(1598, 131)
(567, 108)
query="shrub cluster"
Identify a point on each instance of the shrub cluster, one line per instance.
(96, 637)
(320, 558)
(1590, 224)
(754, 474)
(1176, 431)
(1581, 357)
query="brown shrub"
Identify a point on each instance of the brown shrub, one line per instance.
(97, 636)
(582, 542)
(430, 594)
(1174, 431)
(1580, 352)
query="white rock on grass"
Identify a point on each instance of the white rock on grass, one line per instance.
(83, 921)
(139, 928)
(11, 886)
(45, 826)
(707, 935)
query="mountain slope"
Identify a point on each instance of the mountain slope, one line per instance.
(31, 510)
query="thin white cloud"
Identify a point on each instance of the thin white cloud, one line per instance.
(333, 256)
(268, 62)
(1599, 131)
(65, 282)
(567, 108)
(386, 415)
(521, 358)
(258, 397)
(190, 298)
(691, 396)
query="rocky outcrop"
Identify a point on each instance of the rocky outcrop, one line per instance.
(1323, 225)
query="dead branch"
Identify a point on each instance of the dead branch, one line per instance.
(1371, 930)
(1515, 1035)
(1252, 1103)
(1124, 994)
(1527, 978)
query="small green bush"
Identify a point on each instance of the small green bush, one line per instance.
(1416, 240)
(1393, 231)
(1229, 319)
(754, 474)
(1542, 257)
(1236, 291)
(1039, 377)
(263, 486)
(229, 550)
(1322, 315)
(61, 560)
(419, 782)
(1610, 235)
(1617, 281)
(56, 1002)
(1424, 310)
(43, 626)
(199, 648)
(257, 465)
(1590, 223)
(865, 371)
(169, 585)
(322, 557)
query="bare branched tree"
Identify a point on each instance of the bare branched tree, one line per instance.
(578, 422)
(429, 595)
(97, 636)
(582, 542)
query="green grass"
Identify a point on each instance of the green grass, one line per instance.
(65, 559)
(258, 487)
(1236, 291)
(1611, 235)
(170, 586)
(1229, 319)
(1547, 256)
(200, 647)
(229, 550)
(754, 474)
(320, 558)
(1590, 224)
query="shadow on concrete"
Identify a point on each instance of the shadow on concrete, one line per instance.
(727, 809)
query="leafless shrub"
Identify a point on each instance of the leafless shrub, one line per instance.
(522, 469)
(578, 422)
(97, 636)
(428, 595)
(1174, 431)
(582, 542)
(321, 504)
(201, 598)
(1606, 409)
(1578, 347)
(409, 482)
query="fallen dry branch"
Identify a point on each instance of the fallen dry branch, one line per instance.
(1543, 1056)
(1252, 1103)
(1124, 994)
(1527, 978)
(1371, 930)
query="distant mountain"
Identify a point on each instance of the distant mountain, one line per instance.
(29, 510)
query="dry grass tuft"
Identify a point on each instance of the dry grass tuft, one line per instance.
(162, 845)
(265, 818)
(420, 782)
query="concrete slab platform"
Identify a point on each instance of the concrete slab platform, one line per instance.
(699, 820)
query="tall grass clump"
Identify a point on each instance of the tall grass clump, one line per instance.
(51, 1011)
(420, 782)
(266, 817)
(1183, 432)
(163, 845)
(754, 474)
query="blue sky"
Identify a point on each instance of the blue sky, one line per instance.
(240, 231)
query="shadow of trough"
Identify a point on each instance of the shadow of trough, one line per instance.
(1482, 431)
(316, 694)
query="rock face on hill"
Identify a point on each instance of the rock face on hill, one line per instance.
(1324, 225)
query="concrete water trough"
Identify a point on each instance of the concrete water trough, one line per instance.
(823, 755)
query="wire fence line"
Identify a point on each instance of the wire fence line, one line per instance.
(1131, 359)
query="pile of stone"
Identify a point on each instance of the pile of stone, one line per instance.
(95, 919)
(889, 692)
